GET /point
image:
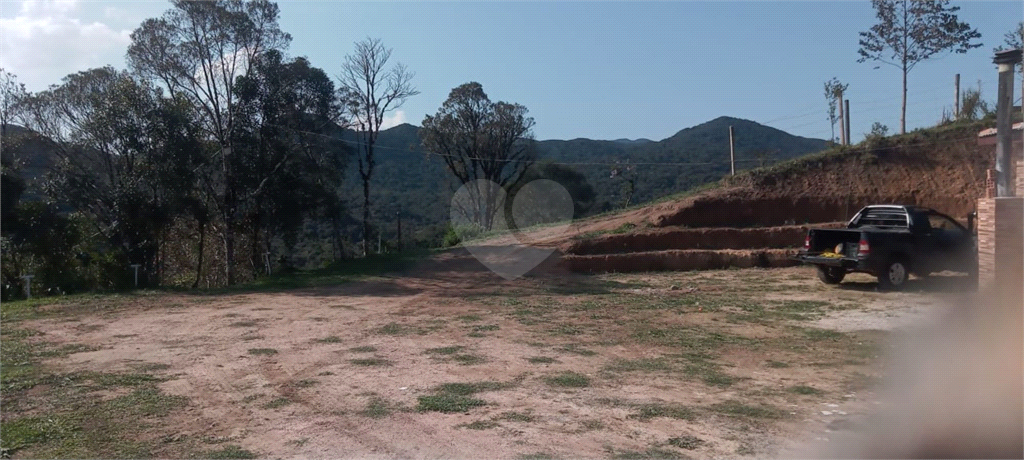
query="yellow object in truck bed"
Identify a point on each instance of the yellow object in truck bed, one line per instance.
(831, 255)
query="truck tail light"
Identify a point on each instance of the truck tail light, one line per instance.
(807, 243)
(863, 249)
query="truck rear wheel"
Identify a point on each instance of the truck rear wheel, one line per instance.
(831, 275)
(893, 275)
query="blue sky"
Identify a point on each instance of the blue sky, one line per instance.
(598, 70)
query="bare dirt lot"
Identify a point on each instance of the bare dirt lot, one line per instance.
(447, 360)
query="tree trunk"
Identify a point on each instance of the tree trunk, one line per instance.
(903, 110)
(199, 265)
(229, 250)
(366, 216)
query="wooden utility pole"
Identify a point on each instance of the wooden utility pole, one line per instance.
(846, 120)
(732, 154)
(956, 98)
(842, 129)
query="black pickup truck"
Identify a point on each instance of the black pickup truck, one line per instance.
(891, 242)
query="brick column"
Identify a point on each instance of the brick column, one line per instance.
(1001, 245)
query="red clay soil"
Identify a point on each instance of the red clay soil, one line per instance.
(694, 238)
(685, 259)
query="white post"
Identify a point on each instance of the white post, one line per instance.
(266, 261)
(136, 267)
(28, 285)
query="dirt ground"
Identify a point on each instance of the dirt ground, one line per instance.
(716, 364)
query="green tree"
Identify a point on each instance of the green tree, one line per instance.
(127, 156)
(286, 111)
(911, 31)
(371, 90)
(834, 90)
(484, 144)
(196, 50)
(583, 194)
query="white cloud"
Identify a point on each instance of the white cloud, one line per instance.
(47, 40)
(392, 121)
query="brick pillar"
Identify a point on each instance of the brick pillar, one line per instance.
(1020, 178)
(1001, 245)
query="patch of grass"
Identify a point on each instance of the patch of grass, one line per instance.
(642, 365)
(648, 411)
(325, 373)
(298, 442)
(470, 318)
(262, 351)
(377, 407)
(279, 402)
(651, 453)
(739, 409)
(568, 379)
(363, 349)
(516, 417)
(577, 349)
(329, 339)
(305, 383)
(251, 398)
(393, 329)
(469, 360)
(591, 425)
(448, 403)
(541, 360)
(486, 328)
(624, 228)
(249, 323)
(444, 350)
(776, 364)
(536, 456)
(150, 367)
(823, 334)
(229, 451)
(566, 329)
(370, 362)
(479, 425)
(804, 390)
(67, 349)
(686, 442)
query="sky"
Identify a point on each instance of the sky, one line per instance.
(598, 70)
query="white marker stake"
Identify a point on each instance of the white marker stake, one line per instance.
(28, 285)
(136, 267)
(266, 261)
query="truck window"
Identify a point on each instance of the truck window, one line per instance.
(883, 217)
(943, 223)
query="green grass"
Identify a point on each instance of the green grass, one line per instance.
(444, 350)
(377, 407)
(370, 362)
(516, 417)
(568, 379)
(277, 403)
(577, 350)
(393, 329)
(262, 351)
(641, 365)
(448, 403)
(686, 442)
(804, 390)
(776, 364)
(244, 324)
(329, 339)
(739, 409)
(363, 349)
(479, 425)
(646, 412)
(536, 456)
(470, 318)
(651, 453)
(469, 360)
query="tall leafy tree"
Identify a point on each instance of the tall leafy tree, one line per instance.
(286, 111)
(481, 140)
(371, 90)
(128, 156)
(834, 90)
(196, 50)
(911, 31)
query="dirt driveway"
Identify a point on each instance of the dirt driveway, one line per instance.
(447, 360)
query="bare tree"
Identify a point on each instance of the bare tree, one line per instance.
(196, 50)
(911, 31)
(370, 91)
(482, 142)
(12, 94)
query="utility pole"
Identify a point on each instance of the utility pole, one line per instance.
(732, 155)
(842, 124)
(956, 98)
(1005, 61)
(846, 120)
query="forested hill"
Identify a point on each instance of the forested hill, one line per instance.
(409, 178)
